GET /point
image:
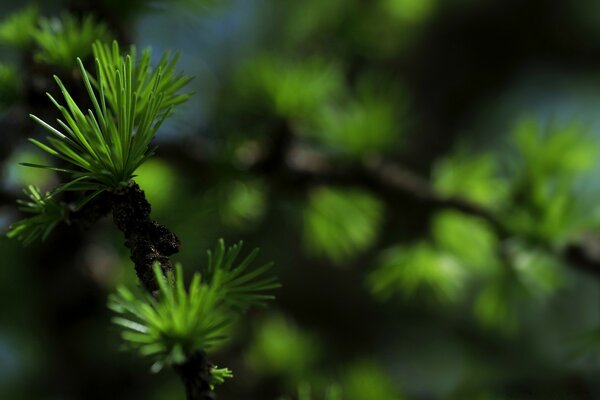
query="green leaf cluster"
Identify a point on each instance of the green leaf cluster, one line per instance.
(239, 286)
(131, 100)
(17, 29)
(364, 125)
(58, 41)
(46, 214)
(550, 161)
(471, 177)
(461, 248)
(182, 321)
(219, 375)
(414, 268)
(280, 347)
(340, 223)
(61, 40)
(101, 148)
(292, 88)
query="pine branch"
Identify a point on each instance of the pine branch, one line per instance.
(299, 168)
(100, 151)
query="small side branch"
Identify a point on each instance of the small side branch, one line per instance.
(195, 374)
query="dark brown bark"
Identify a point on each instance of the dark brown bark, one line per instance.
(148, 241)
(195, 374)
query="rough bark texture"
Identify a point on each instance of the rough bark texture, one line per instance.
(148, 241)
(195, 374)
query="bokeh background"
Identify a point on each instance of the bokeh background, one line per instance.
(371, 148)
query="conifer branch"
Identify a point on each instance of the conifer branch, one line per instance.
(299, 168)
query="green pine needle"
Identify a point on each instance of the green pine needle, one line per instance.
(182, 321)
(176, 324)
(241, 286)
(130, 100)
(46, 214)
(218, 376)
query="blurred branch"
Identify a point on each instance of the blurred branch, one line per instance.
(291, 165)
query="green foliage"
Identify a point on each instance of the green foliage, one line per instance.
(471, 177)
(497, 305)
(363, 126)
(46, 214)
(11, 86)
(469, 239)
(366, 381)
(177, 324)
(218, 376)
(536, 198)
(528, 280)
(241, 202)
(280, 348)
(363, 380)
(410, 10)
(550, 162)
(62, 40)
(462, 247)
(559, 151)
(341, 223)
(180, 322)
(292, 88)
(421, 266)
(152, 88)
(130, 102)
(239, 286)
(17, 30)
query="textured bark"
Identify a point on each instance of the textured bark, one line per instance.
(148, 241)
(195, 374)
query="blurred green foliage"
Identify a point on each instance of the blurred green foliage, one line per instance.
(242, 203)
(471, 177)
(469, 239)
(62, 40)
(280, 348)
(341, 223)
(159, 181)
(362, 127)
(551, 162)
(17, 29)
(366, 380)
(11, 87)
(291, 88)
(408, 269)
